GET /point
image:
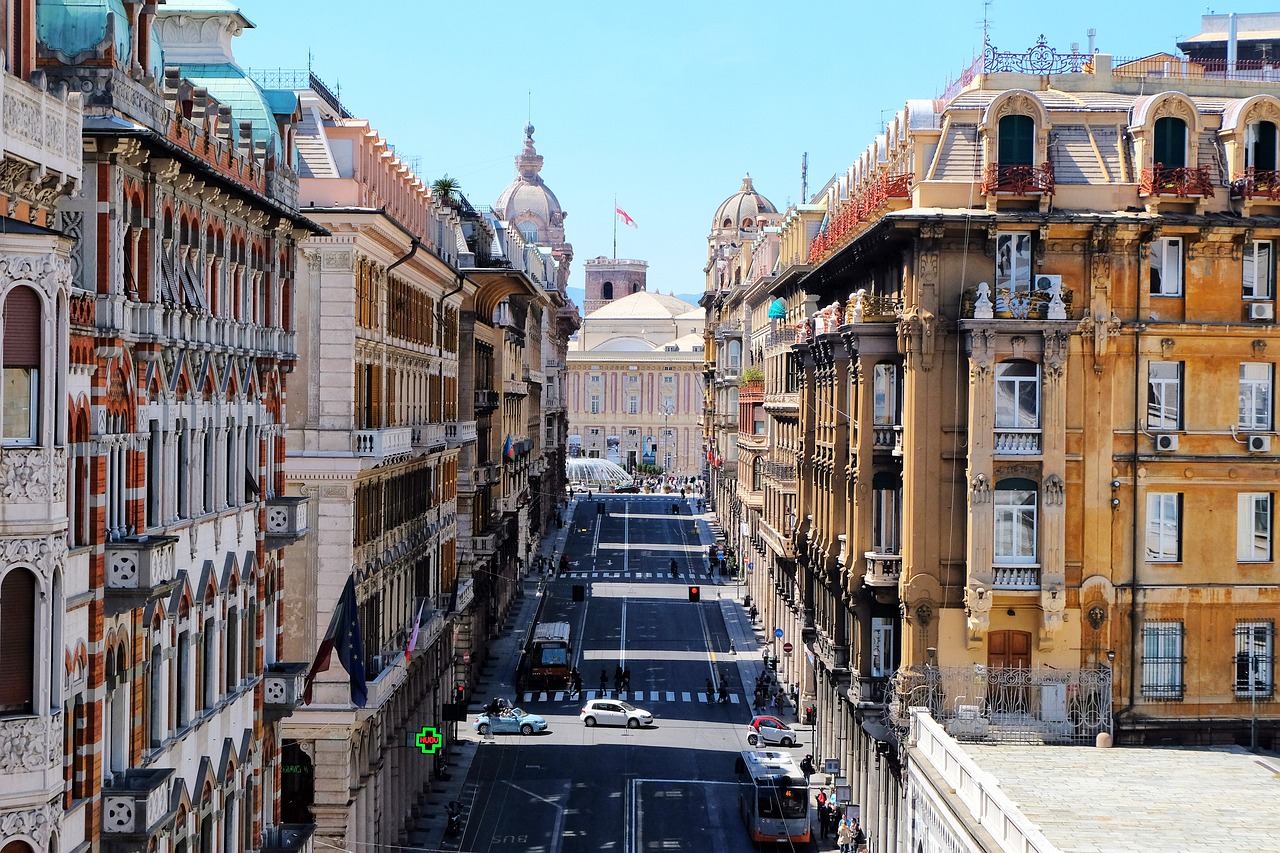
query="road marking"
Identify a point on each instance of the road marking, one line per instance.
(685, 697)
(671, 697)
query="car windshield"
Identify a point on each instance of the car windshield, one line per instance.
(627, 707)
(517, 712)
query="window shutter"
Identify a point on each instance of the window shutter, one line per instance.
(22, 328)
(17, 638)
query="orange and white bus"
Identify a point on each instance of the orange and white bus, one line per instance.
(773, 796)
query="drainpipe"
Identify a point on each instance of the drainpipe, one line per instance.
(1133, 534)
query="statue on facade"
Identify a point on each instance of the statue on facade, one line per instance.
(982, 308)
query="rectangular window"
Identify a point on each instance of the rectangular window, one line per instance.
(1253, 527)
(884, 385)
(757, 420)
(21, 403)
(881, 647)
(1255, 396)
(1166, 267)
(1162, 660)
(1164, 395)
(1259, 270)
(1013, 263)
(595, 405)
(1164, 527)
(633, 405)
(1015, 526)
(1255, 656)
(1017, 395)
(885, 520)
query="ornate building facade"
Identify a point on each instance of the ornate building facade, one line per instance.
(1031, 334)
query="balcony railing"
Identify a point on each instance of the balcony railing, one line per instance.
(286, 521)
(860, 207)
(282, 686)
(782, 472)
(459, 433)
(289, 838)
(515, 388)
(486, 398)
(136, 803)
(888, 438)
(1016, 577)
(1257, 184)
(780, 338)
(429, 436)
(1017, 442)
(484, 544)
(381, 443)
(486, 474)
(1018, 180)
(1177, 182)
(43, 129)
(883, 570)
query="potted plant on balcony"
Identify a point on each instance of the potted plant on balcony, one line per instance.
(752, 377)
(446, 189)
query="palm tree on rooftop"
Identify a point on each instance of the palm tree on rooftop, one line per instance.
(446, 189)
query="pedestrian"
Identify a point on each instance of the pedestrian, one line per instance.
(733, 650)
(806, 766)
(824, 819)
(711, 689)
(604, 681)
(844, 836)
(564, 563)
(626, 678)
(675, 572)
(859, 838)
(724, 693)
(617, 678)
(576, 679)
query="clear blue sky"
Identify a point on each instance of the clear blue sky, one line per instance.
(665, 104)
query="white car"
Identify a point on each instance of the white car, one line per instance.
(770, 731)
(614, 712)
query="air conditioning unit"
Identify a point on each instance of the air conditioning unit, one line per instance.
(1047, 282)
(1260, 443)
(1262, 311)
(1166, 443)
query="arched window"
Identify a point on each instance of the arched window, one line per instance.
(1015, 144)
(606, 290)
(1015, 521)
(635, 287)
(22, 347)
(735, 355)
(115, 746)
(1260, 146)
(728, 223)
(528, 231)
(757, 474)
(747, 223)
(1169, 143)
(18, 639)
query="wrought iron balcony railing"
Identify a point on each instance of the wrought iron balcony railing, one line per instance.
(1018, 180)
(1177, 182)
(1256, 184)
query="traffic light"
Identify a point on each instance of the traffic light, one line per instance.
(460, 694)
(694, 593)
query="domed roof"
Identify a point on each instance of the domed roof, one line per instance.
(71, 27)
(644, 305)
(777, 311)
(743, 208)
(527, 192)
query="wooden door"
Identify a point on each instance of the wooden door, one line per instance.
(1008, 652)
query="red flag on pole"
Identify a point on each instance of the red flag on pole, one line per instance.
(626, 218)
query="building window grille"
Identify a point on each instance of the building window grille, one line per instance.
(1162, 661)
(1255, 659)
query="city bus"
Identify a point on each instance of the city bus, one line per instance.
(773, 796)
(548, 656)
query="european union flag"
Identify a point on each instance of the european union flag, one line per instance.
(344, 636)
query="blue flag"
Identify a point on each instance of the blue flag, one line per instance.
(344, 636)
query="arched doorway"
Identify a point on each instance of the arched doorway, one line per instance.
(297, 784)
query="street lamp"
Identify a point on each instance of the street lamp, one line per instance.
(667, 410)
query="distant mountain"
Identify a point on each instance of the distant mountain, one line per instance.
(579, 295)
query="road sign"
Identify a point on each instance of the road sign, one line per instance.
(428, 740)
(788, 648)
(777, 632)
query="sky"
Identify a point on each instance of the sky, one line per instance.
(663, 105)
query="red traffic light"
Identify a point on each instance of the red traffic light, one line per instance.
(694, 593)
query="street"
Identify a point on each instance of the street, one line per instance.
(670, 786)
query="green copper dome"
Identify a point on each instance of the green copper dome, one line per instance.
(73, 27)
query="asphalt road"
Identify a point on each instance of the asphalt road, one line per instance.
(670, 787)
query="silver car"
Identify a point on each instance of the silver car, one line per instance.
(614, 712)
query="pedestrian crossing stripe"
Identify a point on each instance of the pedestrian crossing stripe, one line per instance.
(529, 697)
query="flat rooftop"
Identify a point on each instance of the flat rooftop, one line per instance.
(1142, 798)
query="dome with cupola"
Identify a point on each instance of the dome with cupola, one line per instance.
(528, 203)
(69, 29)
(742, 209)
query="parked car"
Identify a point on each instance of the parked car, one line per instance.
(627, 490)
(768, 730)
(509, 722)
(614, 712)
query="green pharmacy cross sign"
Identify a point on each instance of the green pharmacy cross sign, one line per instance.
(428, 740)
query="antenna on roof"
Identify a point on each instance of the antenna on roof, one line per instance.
(986, 24)
(804, 177)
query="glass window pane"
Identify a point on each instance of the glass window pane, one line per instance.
(20, 391)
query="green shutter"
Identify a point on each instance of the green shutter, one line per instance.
(1169, 147)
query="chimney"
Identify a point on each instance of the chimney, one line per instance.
(1232, 42)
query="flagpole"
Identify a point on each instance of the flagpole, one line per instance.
(615, 226)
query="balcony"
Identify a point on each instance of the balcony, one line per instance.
(883, 570)
(382, 443)
(888, 439)
(732, 329)
(782, 404)
(282, 686)
(460, 433)
(783, 473)
(1256, 185)
(289, 838)
(779, 339)
(486, 399)
(286, 521)
(1017, 442)
(41, 132)
(1018, 180)
(486, 474)
(135, 805)
(515, 388)
(30, 744)
(1176, 182)
(484, 544)
(429, 437)
(1024, 577)
(139, 569)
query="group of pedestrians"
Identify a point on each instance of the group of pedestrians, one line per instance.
(832, 820)
(621, 679)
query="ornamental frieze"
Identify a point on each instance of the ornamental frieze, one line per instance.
(36, 824)
(30, 475)
(44, 553)
(30, 744)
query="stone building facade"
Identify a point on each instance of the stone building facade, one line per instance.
(1031, 328)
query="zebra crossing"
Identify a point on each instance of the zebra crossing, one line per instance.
(702, 574)
(648, 696)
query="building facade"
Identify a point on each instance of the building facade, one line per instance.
(1032, 330)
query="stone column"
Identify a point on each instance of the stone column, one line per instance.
(980, 476)
(1053, 579)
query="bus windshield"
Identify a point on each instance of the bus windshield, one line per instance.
(782, 801)
(554, 656)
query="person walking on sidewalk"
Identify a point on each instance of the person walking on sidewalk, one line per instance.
(844, 836)
(604, 681)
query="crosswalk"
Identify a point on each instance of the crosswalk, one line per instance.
(650, 696)
(585, 575)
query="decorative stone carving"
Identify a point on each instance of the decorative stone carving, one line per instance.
(857, 306)
(979, 489)
(924, 614)
(1053, 605)
(336, 260)
(977, 600)
(25, 475)
(35, 823)
(1057, 310)
(1054, 490)
(46, 271)
(1097, 616)
(982, 308)
(30, 743)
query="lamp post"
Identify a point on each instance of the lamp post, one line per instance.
(667, 410)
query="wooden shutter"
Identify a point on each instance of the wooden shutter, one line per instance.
(1016, 141)
(1170, 143)
(17, 638)
(22, 328)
